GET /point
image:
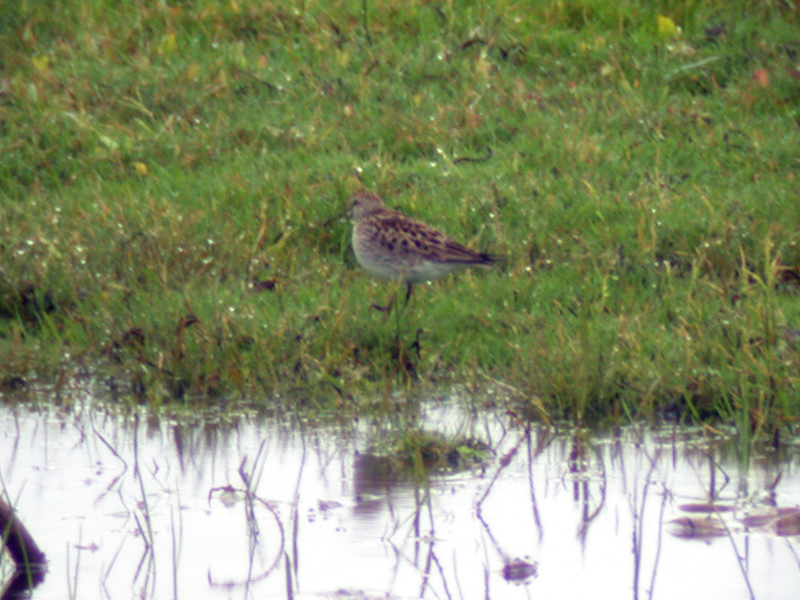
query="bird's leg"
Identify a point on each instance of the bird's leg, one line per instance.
(408, 292)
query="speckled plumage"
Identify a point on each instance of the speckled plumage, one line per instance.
(391, 245)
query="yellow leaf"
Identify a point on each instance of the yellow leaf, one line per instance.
(169, 43)
(141, 168)
(41, 62)
(666, 27)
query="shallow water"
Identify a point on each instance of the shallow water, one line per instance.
(124, 508)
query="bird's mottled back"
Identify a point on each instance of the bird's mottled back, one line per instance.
(391, 245)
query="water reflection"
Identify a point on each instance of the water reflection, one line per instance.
(128, 507)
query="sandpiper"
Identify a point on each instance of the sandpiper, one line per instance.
(394, 246)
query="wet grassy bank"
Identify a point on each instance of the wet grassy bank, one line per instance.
(174, 186)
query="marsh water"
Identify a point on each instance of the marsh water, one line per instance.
(136, 507)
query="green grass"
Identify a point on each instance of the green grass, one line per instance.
(174, 185)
